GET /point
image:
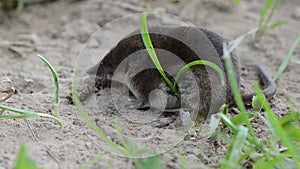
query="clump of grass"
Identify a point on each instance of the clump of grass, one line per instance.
(266, 16)
(245, 142)
(264, 22)
(29, 114)
(243, 145)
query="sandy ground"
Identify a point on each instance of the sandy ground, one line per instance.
(59, 31)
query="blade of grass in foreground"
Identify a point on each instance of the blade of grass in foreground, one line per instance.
(227, 49)
(152, 162)
(287, 59)
(236, 93)
(120, 136)
(233, 82)
(23, 161)
(151, 51)
(90, 122)
(279, 131)
(231, 159)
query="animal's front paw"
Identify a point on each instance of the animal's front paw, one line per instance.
(173, 121)
(134, 103)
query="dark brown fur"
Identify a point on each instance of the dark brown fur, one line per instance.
(141, 83)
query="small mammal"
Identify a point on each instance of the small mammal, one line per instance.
(199, 87)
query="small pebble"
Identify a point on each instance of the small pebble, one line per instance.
(296, 13)
(88, 144)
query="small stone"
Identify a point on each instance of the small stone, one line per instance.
(93, 43)
(296, 13)
(88, 144)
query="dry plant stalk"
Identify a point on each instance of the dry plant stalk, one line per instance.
(7, 90)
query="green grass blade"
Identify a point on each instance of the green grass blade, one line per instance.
(237, 1)
(246, 155)
(289, 118)
(290, 105)
(262, 163)
(235, 129)
(231, 159)
(152, 162)
(264, 12)
(216, 118)
(236, 92)
(293, 131)
(28, 114)
(56, 83)
(23, 161)
(239, 119)
(89, 122)
(91, 161)
(272, 11)
(183, 162)
(233, 83)
(18, 116)
(151, 51)
(264, 25)
(228, 123)
(278, 128)
(20, 111)
(263, 29)
(287, 59)
(276, 24)
(200, 62)
(120, 136)
(279, 132)
(258, 101)
(238, 144)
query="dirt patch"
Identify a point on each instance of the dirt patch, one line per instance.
(59, 30)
